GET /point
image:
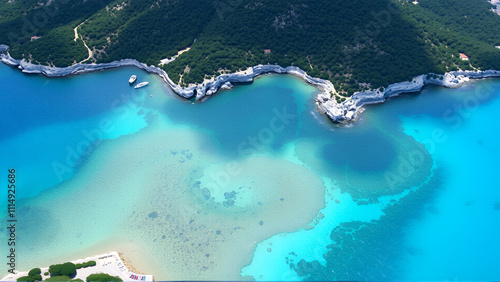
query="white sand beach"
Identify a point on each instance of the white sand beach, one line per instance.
(109, 263)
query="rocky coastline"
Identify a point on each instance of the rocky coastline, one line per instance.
(345, 112)
(199, 91)
(349, 110)
(27, 67)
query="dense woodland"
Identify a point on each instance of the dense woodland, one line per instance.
(54, 23)
(356, 44)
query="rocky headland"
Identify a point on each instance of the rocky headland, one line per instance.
(350, 109)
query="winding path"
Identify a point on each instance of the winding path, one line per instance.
(169, 60)
(76, 37)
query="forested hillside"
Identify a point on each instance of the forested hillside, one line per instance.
(53, 21)
(356, 44)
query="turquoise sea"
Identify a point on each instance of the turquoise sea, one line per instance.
(253, 183)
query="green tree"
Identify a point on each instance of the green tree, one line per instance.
(58, 279)
(34, 271)
(34, 277)
(65, 269)
(103, 277)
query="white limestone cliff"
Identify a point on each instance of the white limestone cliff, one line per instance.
(347, 111)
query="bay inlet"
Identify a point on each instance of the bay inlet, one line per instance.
(252, 183)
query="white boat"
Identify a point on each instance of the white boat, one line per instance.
(132, 79)
(142, 84)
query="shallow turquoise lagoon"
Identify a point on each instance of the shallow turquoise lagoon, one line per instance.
(253, 183)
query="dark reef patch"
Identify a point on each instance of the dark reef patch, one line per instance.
(371, 251)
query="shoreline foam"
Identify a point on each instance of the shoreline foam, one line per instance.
(345, 112)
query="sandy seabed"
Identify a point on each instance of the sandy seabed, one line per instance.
(143, 197)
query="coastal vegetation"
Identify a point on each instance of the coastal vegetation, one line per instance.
(65, 269)
(34, 271)
(52, 22)
(64, 272)
(355, 44)
(62, 37)
(62, 279)
(103, 277)
(33, 275)
(85, 264)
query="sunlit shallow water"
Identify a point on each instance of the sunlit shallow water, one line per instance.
(253, 182)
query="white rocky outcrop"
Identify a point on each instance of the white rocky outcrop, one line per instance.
(226, 81)
(226, 86)
(27, 67)
(201, 91)
(346, 111)
(350, 109)
(3, 48)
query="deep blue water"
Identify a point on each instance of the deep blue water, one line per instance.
(47, 125)
(411, 188)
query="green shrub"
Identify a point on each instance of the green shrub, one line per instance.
(65, 269)
(34, 277)
(46, 273)
(34, 271)
(58, 279)
(103, 277)
(85, 264)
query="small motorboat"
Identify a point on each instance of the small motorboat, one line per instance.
(142, 84)
(132, 79)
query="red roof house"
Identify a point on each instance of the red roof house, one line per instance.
(464, 57)
(267, 51)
